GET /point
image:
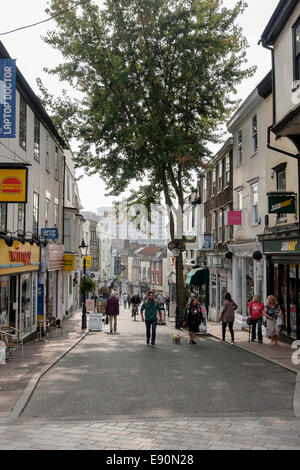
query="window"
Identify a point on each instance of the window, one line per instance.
(214, 178)
(3, 217)
(213, 222)
(227, 170)
(23, 123)
(47, 211)
(21, 216)
(193, 216)
(56, 174)
(220, 227)
(228, 228)
(56, 215)
(239, 200)
(254, 204)
(297, 51)
(239, 147)
(36, 136)
(70, 284)
(220, 176)
(47, 152)
(68, 187)
(36, 204)
(281, 186)
(204, 181)
(254, 134)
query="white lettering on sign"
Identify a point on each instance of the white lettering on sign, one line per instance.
(289, 246)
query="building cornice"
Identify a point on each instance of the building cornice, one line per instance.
(244, 110)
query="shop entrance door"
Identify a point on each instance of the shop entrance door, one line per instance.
(13, 301)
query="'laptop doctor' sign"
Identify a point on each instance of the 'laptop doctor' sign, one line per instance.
(7, 98)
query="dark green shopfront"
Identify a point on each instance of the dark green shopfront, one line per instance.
(283, 279)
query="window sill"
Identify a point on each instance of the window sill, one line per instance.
(253, 154)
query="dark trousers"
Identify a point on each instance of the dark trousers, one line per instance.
(150, 323)
(230, 324)
(259, 330)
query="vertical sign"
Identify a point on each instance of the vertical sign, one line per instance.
(7, 98)
(40, 304)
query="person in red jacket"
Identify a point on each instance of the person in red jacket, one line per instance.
(255, 313)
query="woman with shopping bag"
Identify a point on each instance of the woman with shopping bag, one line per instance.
(274, 317)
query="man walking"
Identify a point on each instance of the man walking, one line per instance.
(151, 307)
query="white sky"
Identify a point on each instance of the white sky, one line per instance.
(33, 55)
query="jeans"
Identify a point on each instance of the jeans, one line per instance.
(230, 324)
(152, 322)
(257, 322)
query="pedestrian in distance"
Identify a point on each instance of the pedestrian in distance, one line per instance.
(151, 308)
(227, 315)
(112, 310)
(125, 300)
(255, 313)
(274, 317)
(192, 318)
(135, 302)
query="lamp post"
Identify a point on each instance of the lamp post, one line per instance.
(83, 249)
(176, 247)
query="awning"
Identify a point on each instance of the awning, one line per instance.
(197, 277)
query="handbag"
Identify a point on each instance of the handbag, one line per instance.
(106, 320)
(279, 321)
(249, 321)
(221, 317)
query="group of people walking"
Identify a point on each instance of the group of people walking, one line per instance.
(269, 315)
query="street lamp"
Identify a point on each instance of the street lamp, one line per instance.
(176, 247)
(83, 250)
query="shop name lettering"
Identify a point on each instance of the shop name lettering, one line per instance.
(289, 246)
(281, 205)
(21, 257)
(7, 96)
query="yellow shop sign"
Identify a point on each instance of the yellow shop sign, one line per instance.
(13, 185)
(69, 260)
(88, 261)
(18, 257)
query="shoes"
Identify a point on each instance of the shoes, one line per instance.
(111, 331)
(153, 346)
(232, 341)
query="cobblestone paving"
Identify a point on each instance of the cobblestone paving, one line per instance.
(167, 434)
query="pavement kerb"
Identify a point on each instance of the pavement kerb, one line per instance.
(25, 397)
(296, 401)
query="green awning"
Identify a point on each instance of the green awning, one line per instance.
(197, 277)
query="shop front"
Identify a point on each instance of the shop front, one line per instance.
(52, 266)
(220, 283)
(197, 283)
(283, 280)
(19, 266)
(248, 278)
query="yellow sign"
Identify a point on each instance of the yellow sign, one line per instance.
(13, 185)
(88, 261)
(69, 260)
(18, 257)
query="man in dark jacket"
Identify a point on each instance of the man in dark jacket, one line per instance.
(112, 310)
(151, 307)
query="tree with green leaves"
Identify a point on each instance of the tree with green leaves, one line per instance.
(157, 79)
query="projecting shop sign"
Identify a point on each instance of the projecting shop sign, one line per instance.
(7, 98)
(282, 204)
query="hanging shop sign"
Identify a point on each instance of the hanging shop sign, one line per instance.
(13, 184)
(7, 98)
(55, 257)
(50, 233)
(69, 261)
(233, 218)
(18, 258)
(88, 261)
(282, 203)
(282, 246)
(206, 242)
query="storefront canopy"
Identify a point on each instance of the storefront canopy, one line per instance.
(197, 277)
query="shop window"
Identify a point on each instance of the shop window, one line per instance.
(213, 291)
(4, 301)
(26, 301)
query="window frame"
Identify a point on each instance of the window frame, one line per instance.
(35, 212)
(254, 136)
(254, 207)
(36, 139)
(21, 204)
(240, 146)
(220, 184)
(296, 57)
(23, 123)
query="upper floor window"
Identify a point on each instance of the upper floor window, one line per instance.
(297, 51)
(204, 182)
(36, 136)
(281, 186)
(239, 200)
(23, 123)
(254, 203)
(220, 227)
(36, 209)
(3, 217)
(56, 174)
(220, 176)
(239, 146)
(47, 212)
(227, 169)
(21, 216)
(47, 152)
(254, 134)
(214, 179)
